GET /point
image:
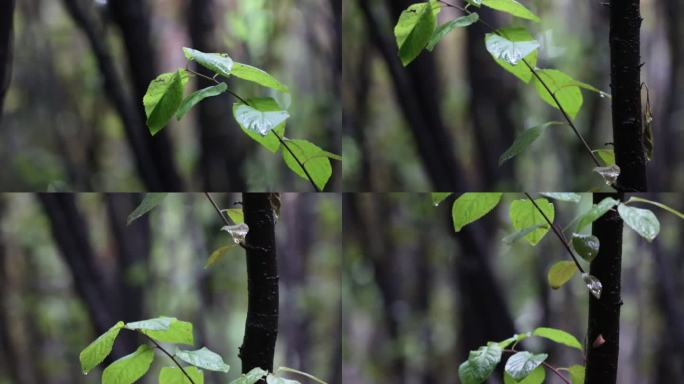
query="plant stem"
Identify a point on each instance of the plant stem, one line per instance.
(308, 176)
(274, 132)
(558, 233)
(169, 355)
(536, 75)
(216, 207)
(547, 365)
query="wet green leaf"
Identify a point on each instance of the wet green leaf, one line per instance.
(130, 368)
(512, 7)
(560, 273)
(524, 214)
(521, 364)
(198, 96)
(162, 99)
(510, 51)
(414, 30)
(643, 221)
(524, 140)
(173, 375)
(204, 358)
(438, 197)
(471, 206)
(596, 211)
(537, 376)
(315, 160)
(149, 202)
(256, 75)
(480, 364)
(558, 336)
(219, 63)
(99, 349)
(563, 87)
(587, 246)
(449, 26)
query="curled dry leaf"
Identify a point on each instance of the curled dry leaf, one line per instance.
(599, 341)
(238, 232)
(610, 174)
(593, 284)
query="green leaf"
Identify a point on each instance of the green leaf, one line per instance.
(657, 204)
(471, 206)
(537, 376)
(98, 350)
(164, 96)
(256, 75)
(217, 254)
(562, 196)
(236, 215)
(560, 273)
(480, 364)
(596, 211)
(587, 246)
(607, 156)
(558, 336)
(250, 377)
(174, 375)
(130, 368)
(414, 30)
(577, 374)
(510, 51)
(643, 221)
(176, 331)
(198, 96)
(438, 197)
(272, 379)
(449, 26)
(563, 87)
(513, 7)
(149, 202)
(219, 63)
(523, 363)
(260, 116)
(315, 160)
(516, 35)
(270, 140)
(515, 236)
(524, 214)
(476, 3)
(203, 358)
(524, 140)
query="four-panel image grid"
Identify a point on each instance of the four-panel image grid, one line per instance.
(341, 191)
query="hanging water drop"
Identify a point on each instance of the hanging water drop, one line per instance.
(593, 284)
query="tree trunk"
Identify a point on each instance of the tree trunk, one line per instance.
(416, 90)
(261, 328)
(603, 334)
(6, 18)
(135, 129)
(628, 138)
(223, 145)
(70, 233)
(132, 17)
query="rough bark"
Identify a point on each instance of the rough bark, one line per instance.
(625, 65)
(604, 313)
(261, 328)
(132, 17)
(223, 145)
(416, 88)
(6, 18)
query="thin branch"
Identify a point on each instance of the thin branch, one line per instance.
(169, 355)
(274, 132)
(534, 72)
(558, 233)
(217, 208)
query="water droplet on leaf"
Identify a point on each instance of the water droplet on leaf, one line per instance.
(593, 284)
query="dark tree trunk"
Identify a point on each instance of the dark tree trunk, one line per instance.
(603, 334)
(223, 145)
(491, 92)
(135, 129)
(133, 250)
(6, 18)
(70, 233)
(261, 328)
(628, 138)
(416, 88)
(132, 17)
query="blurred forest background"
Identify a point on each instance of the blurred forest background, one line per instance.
(417, 296)
(70, 268)
(73, 118)
(442, 122)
